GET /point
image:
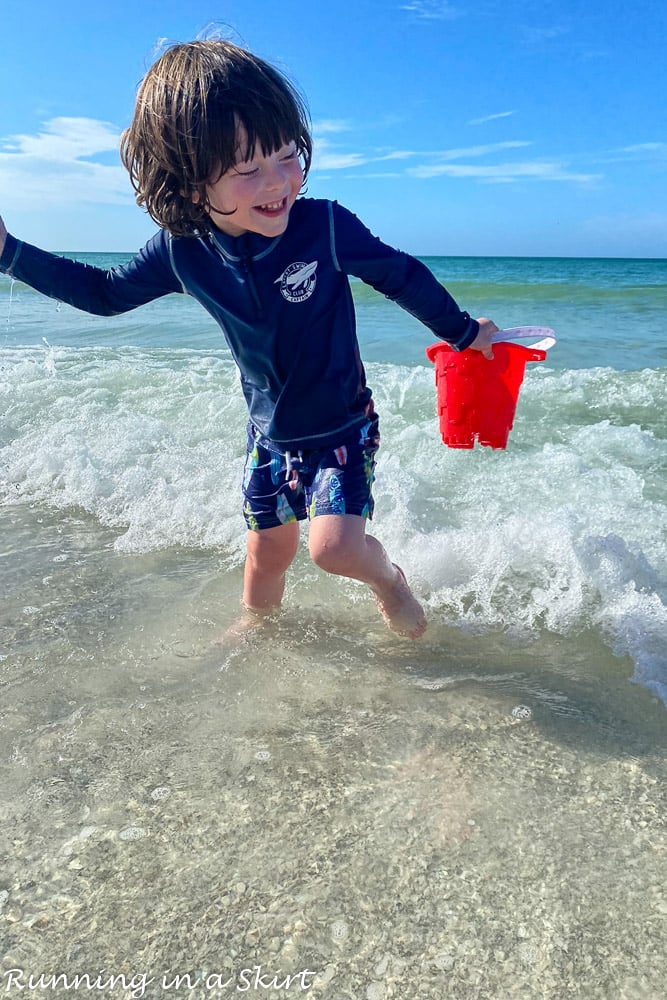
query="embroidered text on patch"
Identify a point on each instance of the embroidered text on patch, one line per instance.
(297, 282)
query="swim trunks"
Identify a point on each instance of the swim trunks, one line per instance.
(283, 486)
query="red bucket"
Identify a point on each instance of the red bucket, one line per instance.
(477, 397)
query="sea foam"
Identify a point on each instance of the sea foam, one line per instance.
(563, 531)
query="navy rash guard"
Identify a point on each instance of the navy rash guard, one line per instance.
(284, 306)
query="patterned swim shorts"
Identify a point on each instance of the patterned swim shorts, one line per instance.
(279, 486)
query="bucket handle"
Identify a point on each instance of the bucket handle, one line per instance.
(544, 336)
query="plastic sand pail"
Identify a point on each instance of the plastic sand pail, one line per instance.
(477, 397)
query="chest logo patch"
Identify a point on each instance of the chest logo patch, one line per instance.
(297, 282)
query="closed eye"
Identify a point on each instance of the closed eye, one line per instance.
(289, 153)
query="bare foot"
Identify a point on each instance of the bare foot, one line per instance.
(399, 607)
(248, 622)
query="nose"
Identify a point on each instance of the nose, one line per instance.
(275, 178)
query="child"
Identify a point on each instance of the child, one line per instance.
(218, 151)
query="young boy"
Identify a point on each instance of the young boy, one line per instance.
(218, 152)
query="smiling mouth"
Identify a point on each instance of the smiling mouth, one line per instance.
(272, 207)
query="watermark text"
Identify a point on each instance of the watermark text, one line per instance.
(243, 981)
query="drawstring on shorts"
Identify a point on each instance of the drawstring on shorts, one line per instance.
(292, 470)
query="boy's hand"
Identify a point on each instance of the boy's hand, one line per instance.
(3, 235)
(482, 341)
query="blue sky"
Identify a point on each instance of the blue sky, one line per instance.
(499, 128)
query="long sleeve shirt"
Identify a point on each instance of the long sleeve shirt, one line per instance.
(284, 306)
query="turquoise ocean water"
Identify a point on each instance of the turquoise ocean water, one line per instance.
(477, 814)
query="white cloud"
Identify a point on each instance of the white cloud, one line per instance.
(431, 10)
(492, 147)
(328, 125)
(645, 147)
(398, 154)
(338, 161)
(328, 157)
(503, 172)
(53, 167)
(651, 153)
(491, 118)
(65, 139)
(385, 175)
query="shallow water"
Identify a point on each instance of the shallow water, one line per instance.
(315, 794)
(480, 814)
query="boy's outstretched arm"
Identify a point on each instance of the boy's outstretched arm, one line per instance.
(407, 281)
(147, 276)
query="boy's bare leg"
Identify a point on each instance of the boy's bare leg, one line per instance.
(268, 556)
(339, 544)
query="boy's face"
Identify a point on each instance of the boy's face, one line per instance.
(259, 192)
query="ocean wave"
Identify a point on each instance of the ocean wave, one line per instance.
(563, 532)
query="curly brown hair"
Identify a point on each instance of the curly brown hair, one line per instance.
(184, 132)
